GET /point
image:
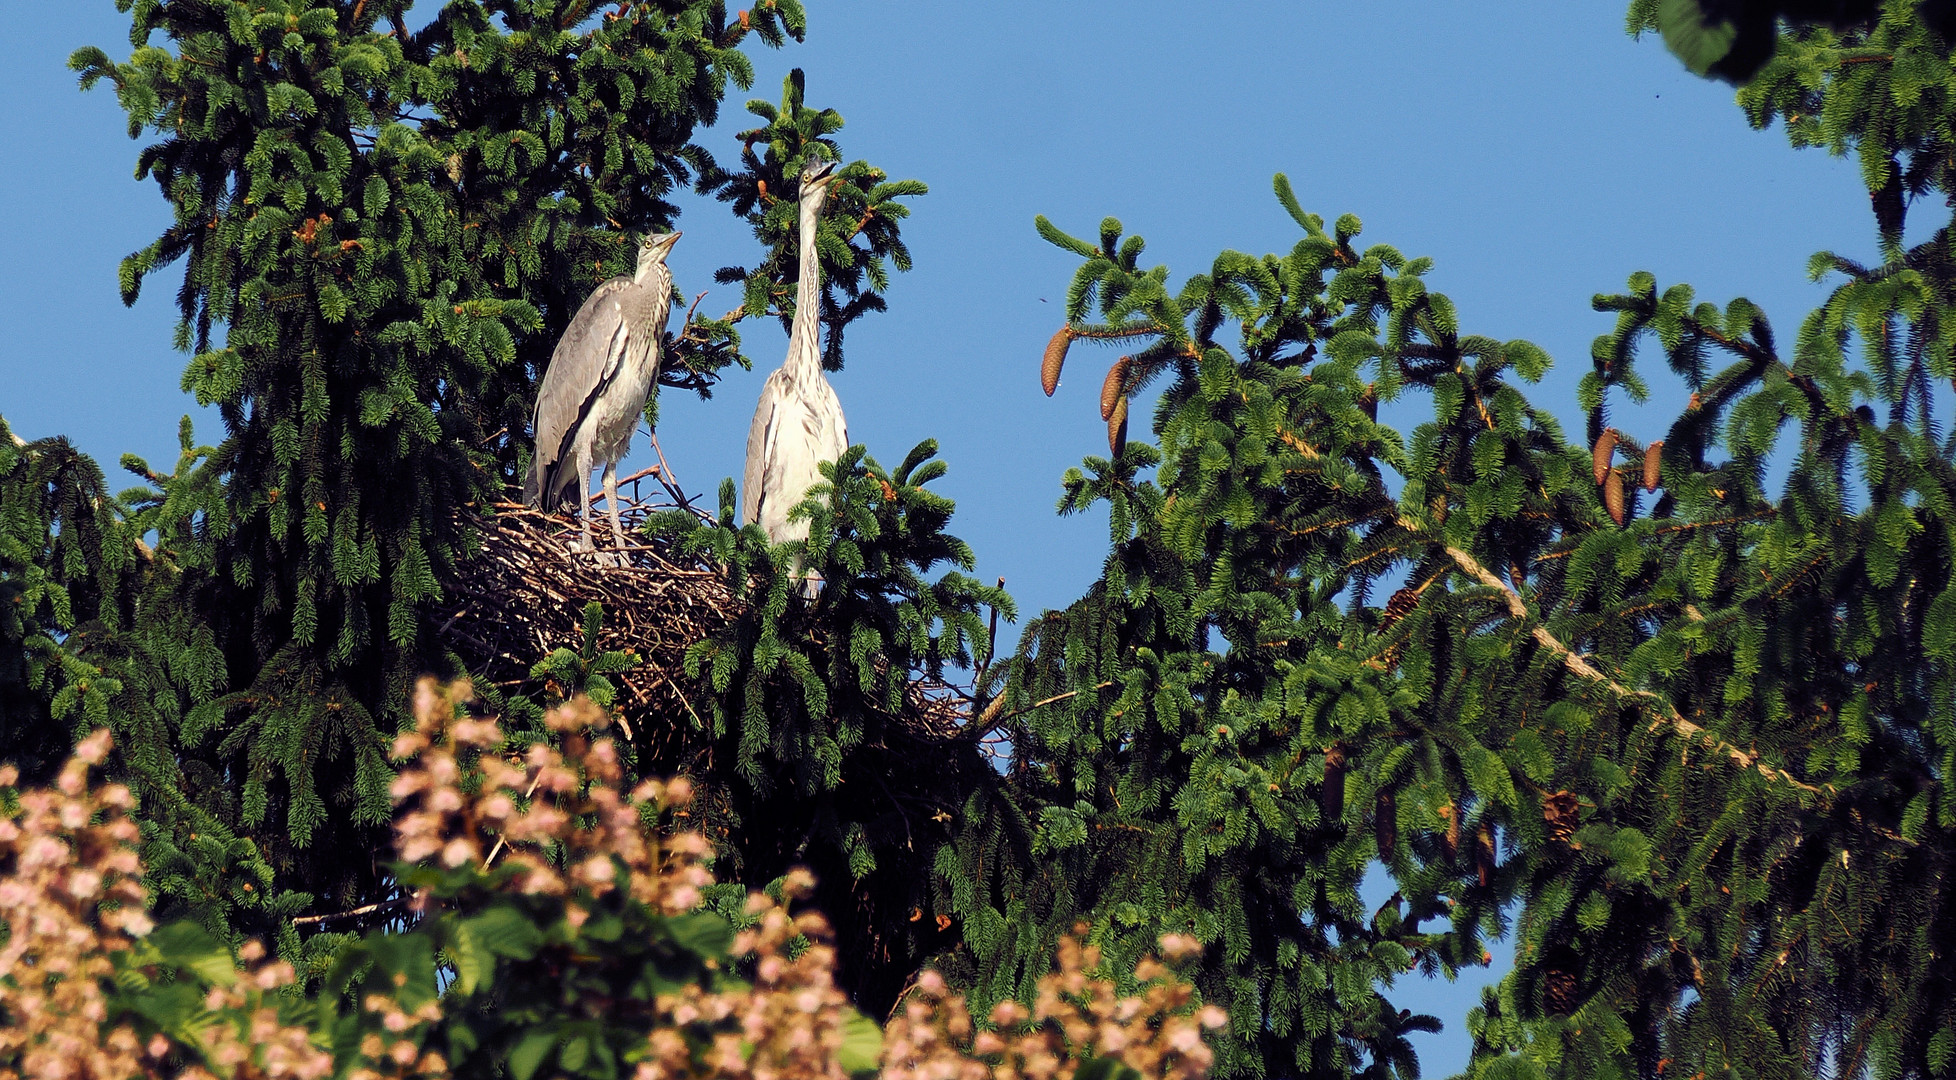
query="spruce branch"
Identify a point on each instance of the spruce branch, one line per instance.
(1663, 713)
(352, 913)
(990, 718)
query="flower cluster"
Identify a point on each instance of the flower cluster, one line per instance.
(1076, 1017)
(789, 1024)
(78, 956)
(551, 849)
(561, 818)
(251, 1040)
(565, 830)
(70, 894)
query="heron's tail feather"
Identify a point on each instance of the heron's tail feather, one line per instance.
(533, 485)
(550, 486)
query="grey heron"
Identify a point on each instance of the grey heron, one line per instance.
(798, 423)
(595, 388)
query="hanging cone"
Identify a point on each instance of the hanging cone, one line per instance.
(1117, 427)
(1385, 824)
(1653, 465)
(1484, 853)
(1613, 496)
(1110, 391)
(1560, 812)
(1560, 991)
(1401, 605)
(1049, 371)
(1331, 797)
(1450, 841)
(1599, 456)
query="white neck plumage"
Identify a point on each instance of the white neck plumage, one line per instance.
(804, 336)
(647, 268)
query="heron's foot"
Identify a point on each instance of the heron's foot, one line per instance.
(594, 555)
(585, 549)
(600, 557)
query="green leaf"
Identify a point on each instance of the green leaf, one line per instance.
(1697, 38)
(530, 1052)
(701, 933)
(1106, 1068)
(473, 961)
(862, 1044)
(189, 946)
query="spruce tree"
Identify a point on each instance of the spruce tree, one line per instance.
(1694, 718)
(837, 722)
(1695, 722)
(1794, 900)
(383, 231)
(1201, 742)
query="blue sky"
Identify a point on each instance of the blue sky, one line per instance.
(1530, 147)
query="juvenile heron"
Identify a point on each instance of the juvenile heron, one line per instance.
(798, 423)
(595, 388)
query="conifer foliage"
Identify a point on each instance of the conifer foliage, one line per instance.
(836, 719)
(383, 230)
(1694, 717)
(1204, 736)
(1684, 699)
(1797, 851)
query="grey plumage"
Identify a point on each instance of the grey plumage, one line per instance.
(594, 390)
(798, 423)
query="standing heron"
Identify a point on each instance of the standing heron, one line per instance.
(595, 388)
(798, 423)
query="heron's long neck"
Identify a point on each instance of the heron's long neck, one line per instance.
(804, 337)
(659, 277)
(653, 271)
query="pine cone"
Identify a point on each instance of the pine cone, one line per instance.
(1653, 465)
(1559, 991)
(1110, 390)
(1049, 371)
(1331, 797)
(1559, 813)
(1117, 427)
(1613, 496)
(1599, 455)
(1401, 605)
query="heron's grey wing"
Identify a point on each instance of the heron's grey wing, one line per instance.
(577, 371)
(759, 435)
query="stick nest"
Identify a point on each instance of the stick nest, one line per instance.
(522, 595)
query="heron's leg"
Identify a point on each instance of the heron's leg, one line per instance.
(584, 507)
(611, 501)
